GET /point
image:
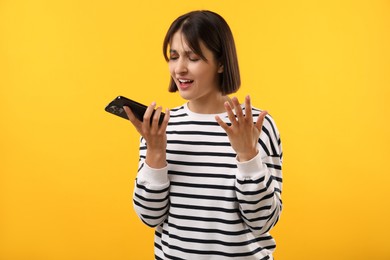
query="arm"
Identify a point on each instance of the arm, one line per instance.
(259, 162)
(259, 182)
(151, 190)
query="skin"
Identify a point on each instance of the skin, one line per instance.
(203, 97)
(242, 133)
(202, 94)
(154, 134)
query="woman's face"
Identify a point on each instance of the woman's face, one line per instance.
(197, 80)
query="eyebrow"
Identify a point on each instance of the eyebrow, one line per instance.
(171, 51)
(188, 53)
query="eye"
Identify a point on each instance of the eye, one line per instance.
(173, 57)
(193, 57)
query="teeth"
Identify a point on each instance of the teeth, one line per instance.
(185, 80)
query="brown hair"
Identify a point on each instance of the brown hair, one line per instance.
(213, 31)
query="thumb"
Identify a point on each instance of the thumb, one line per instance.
(132, 118)
(260, 120)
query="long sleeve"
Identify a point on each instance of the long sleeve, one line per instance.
(204, 204)
(259, 182)
(151, 192)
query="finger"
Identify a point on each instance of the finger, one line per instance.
(164, 123)
(156, 118)
(147, 116)
(222, 124)
(230, 113)
(248, 109)
(260, 120)
(149, 111)
(129, 113)
(238, 109)
(133, 119)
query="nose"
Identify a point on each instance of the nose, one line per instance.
(181, 67)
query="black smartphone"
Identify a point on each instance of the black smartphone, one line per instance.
(116, 107)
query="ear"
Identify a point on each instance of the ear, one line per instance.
(220, 68)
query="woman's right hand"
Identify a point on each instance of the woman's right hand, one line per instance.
(153, 133)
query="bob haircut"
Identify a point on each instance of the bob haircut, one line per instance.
(213, 31)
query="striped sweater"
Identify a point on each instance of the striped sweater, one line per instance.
(205, 204)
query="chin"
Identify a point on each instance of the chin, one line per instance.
(184, 95)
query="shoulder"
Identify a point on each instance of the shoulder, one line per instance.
(270, 137)
(269, 122)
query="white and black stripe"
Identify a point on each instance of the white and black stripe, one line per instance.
(204, 204)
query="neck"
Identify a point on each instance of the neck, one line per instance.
(213, 105)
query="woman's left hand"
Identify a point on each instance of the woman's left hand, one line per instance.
(243, 133)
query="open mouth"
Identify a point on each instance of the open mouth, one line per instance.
(185, 81)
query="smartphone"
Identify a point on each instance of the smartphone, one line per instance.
(116, 107)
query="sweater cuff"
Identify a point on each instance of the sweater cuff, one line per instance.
(251, 168)
(153, 176)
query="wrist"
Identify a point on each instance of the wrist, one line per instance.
(156, 159)
(247, 156)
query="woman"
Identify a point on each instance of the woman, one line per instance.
(209, 176)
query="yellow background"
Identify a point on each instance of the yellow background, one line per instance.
(321, 68)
